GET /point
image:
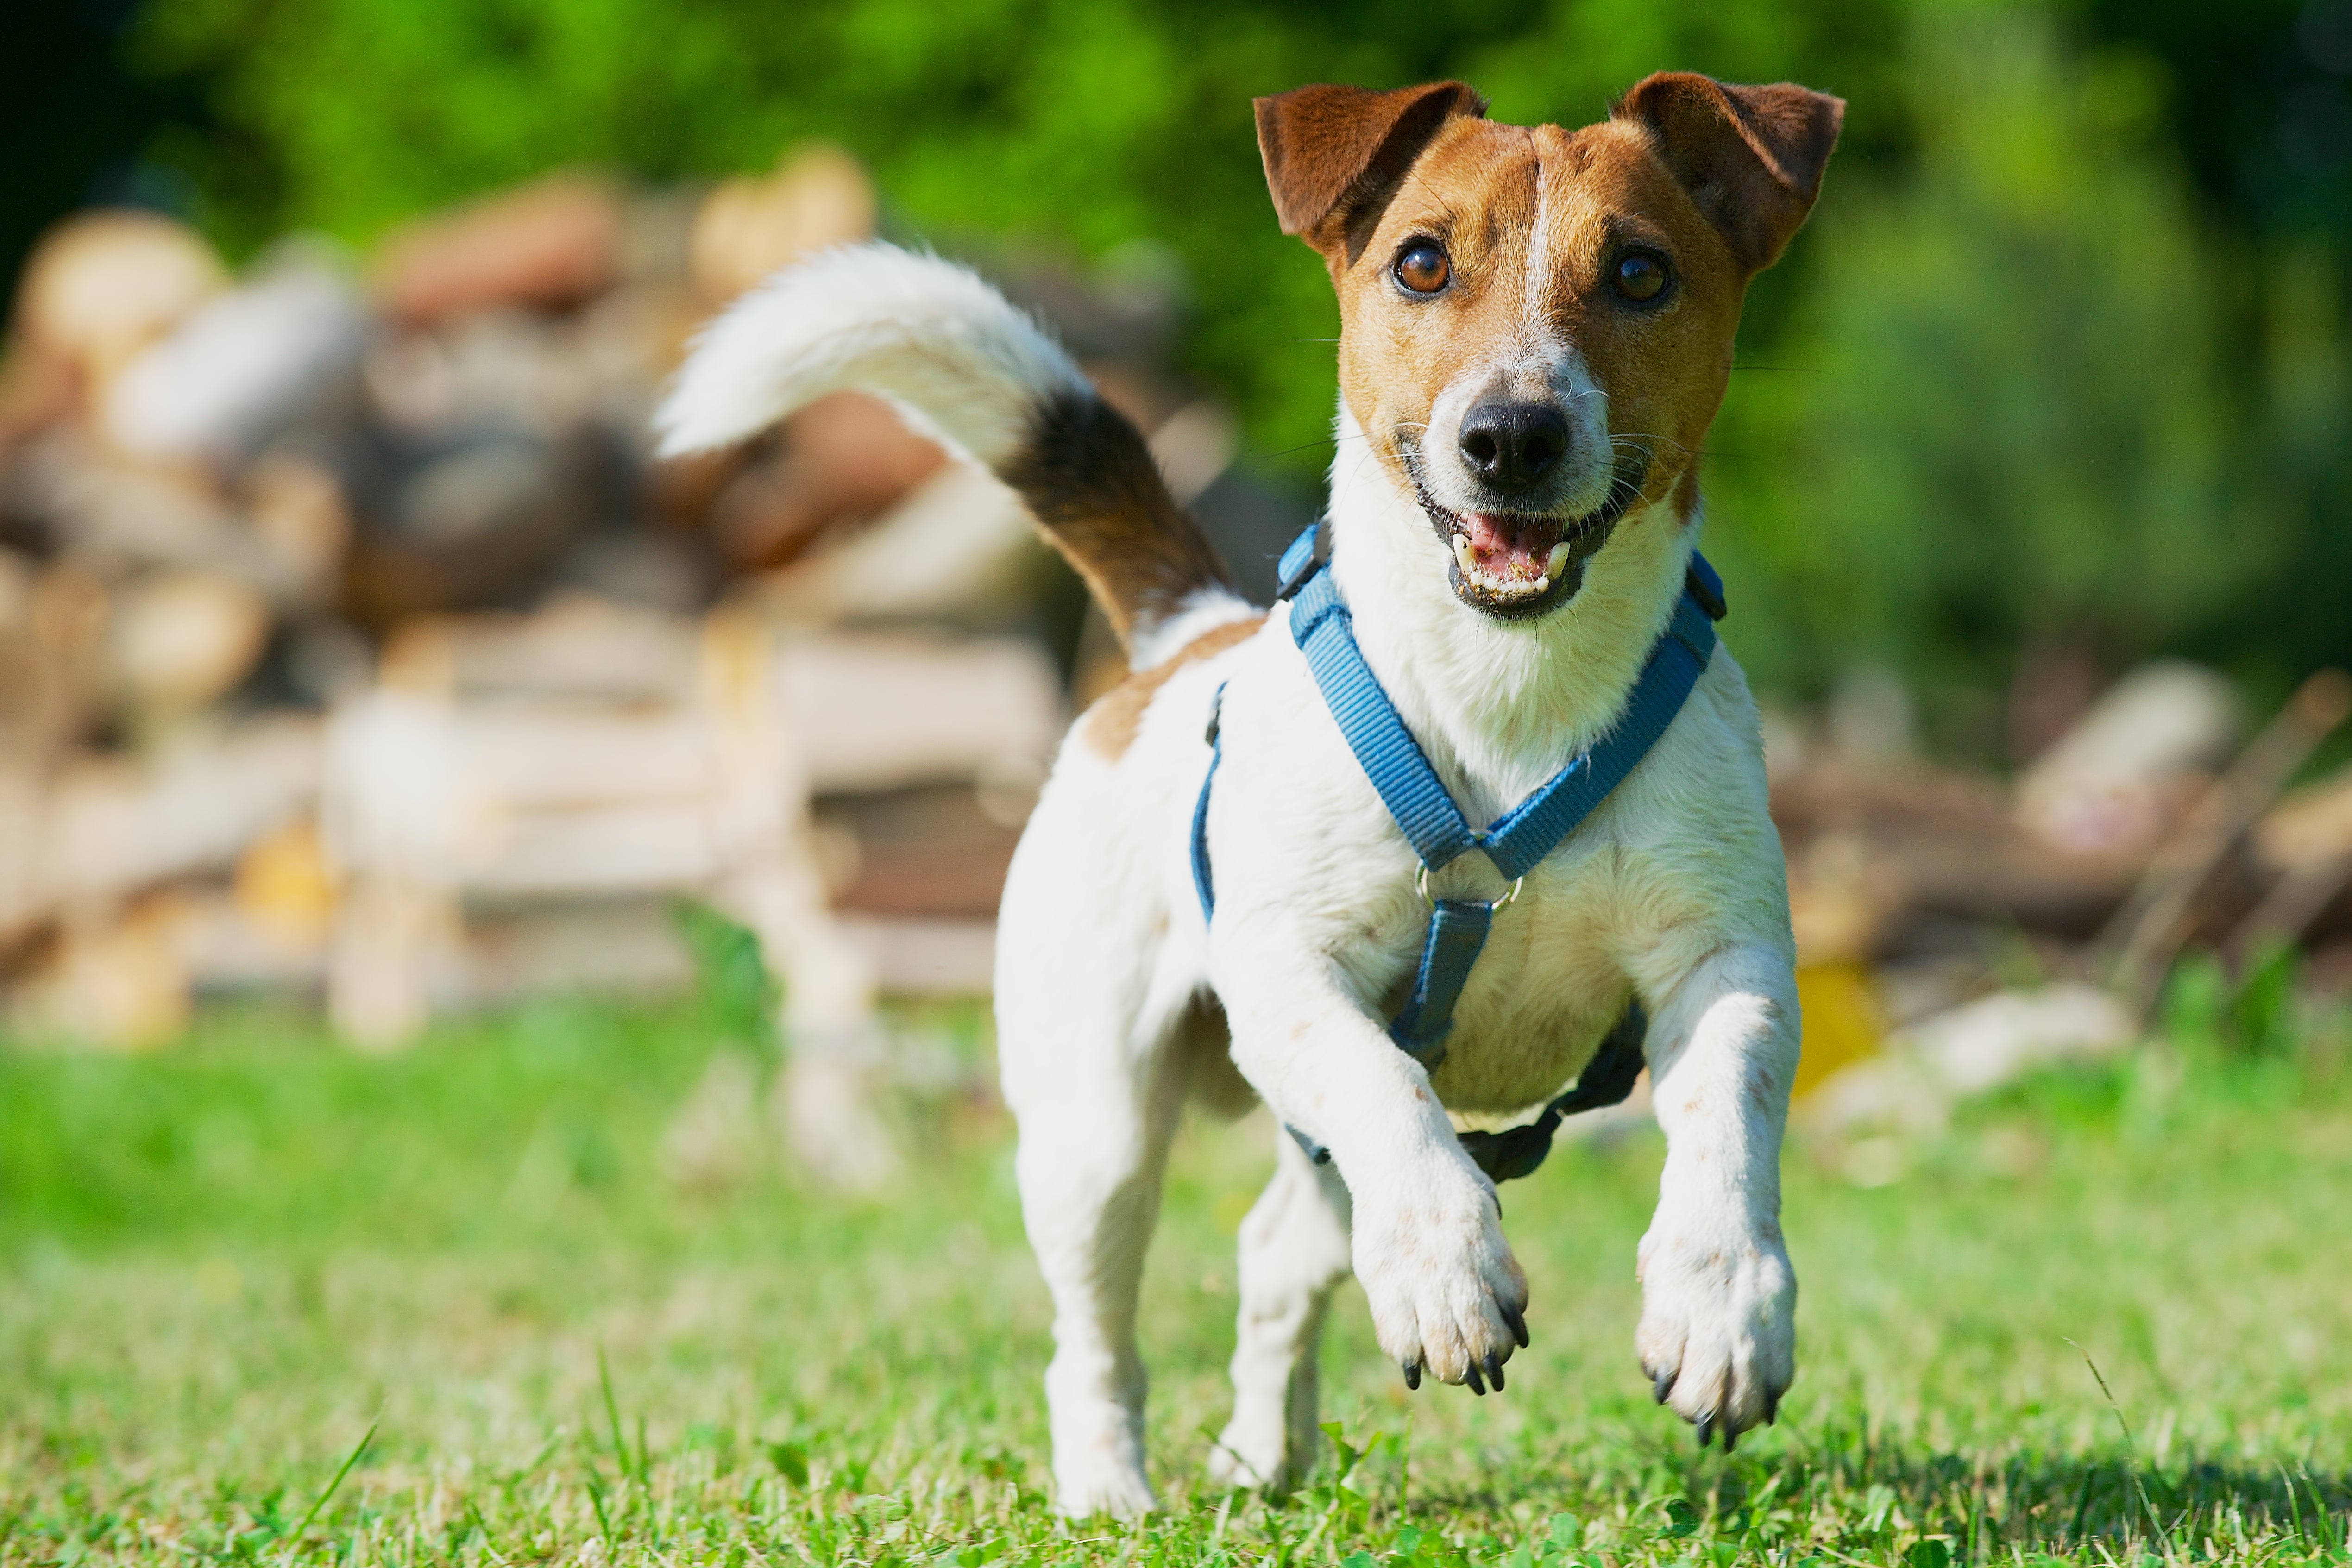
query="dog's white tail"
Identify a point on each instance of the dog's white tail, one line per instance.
(965, 367)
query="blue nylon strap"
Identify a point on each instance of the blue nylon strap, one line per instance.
(1401, 771)
(1457, 930)
(1204, 881)
(1385, 748)
(1532, 829)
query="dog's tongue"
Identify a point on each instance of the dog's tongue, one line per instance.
(1507, 546)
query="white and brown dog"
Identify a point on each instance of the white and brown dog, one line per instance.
(1536, 329)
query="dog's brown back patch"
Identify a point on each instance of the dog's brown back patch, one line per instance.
(1113, 721)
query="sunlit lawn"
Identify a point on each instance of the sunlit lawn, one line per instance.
(222, 1265)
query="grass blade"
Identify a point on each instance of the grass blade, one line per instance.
(613, 1413)
(2294, 1505)
(349, 1460)
(596, 1501)
(2082, 1504)
(2131, 1453)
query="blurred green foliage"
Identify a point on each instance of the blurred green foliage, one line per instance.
(1067, 126)
(2060, 365)
(2044, 413)
(2009, 432)
(2253, 1014)
(737, 990)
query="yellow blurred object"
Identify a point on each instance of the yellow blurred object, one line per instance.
(748, 228)
(120, 983)
(1842, 1021)
(284, 885)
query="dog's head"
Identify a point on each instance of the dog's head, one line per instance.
(1536, 324)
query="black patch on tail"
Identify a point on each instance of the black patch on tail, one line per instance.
(1087, 476)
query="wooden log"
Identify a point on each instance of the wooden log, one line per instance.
(52, 620)
(181, 640)
(2305, 843)
(116, 977)
(550, 243)
(883, 711)
(1944, 842)
(579, 649)
(2140, 941)
(102, 285)
(111, 828)
(956, 544)
(749, 226)
(833, 465)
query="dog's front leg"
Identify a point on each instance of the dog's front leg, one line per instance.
(1717, 1335)
(1447, 1297)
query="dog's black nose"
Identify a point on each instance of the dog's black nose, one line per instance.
(1513, 444)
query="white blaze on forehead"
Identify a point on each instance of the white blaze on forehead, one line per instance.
(1534, 361)
(1533, 314)
(1581, 398)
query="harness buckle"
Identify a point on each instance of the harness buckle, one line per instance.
(1700, 582)
(1305, 558)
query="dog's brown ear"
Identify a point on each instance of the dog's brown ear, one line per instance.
(1335, 154)
(1751, 156)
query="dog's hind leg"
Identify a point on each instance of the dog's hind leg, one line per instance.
(1090, 1165)
(1093, 1074)
(1293, 1252)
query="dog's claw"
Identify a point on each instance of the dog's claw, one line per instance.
(1413, 1375)
(1664, 1382)
(1771, 1410)
(1730, 1436)
(1470, 1376)
(1518, 1321)
(1495, 1370)
(1706, 1428)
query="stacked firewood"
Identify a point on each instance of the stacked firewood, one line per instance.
(350, 643)
(1954, 930)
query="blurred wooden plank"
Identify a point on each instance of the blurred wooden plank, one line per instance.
(886, 710)
(109, 828)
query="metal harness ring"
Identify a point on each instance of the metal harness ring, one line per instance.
(1421, 886)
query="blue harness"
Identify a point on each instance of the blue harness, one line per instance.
(1439, 834)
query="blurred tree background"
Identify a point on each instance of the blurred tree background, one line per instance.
(2058, 379)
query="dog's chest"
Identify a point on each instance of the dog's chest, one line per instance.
(1547, 987)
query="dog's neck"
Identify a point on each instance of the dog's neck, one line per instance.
(1498, 705)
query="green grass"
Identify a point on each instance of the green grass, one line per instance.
(221, 1266)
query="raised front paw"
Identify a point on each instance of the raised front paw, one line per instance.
(1718, 1334)
(1447, 1297)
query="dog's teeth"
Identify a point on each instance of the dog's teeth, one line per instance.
(1556, 563)
(1541, 583)
(1462, 555)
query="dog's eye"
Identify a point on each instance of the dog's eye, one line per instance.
(1423, 267)
(1641, 276)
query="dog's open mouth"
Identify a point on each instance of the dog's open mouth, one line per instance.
(1510, 565)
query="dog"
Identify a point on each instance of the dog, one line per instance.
(1537, 328)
